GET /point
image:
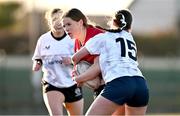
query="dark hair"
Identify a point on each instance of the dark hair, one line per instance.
(110, 30)
(128, 18)
(76, 15)
(120, 22)
(123, 19)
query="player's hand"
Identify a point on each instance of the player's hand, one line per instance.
(75, 78)
(66, 60)
(73, 73)
(79, 84)
(36, 66)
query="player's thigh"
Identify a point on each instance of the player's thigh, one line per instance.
(75, 108)
(119, 111)
(102, 106)
(135, 110)
(54, 101)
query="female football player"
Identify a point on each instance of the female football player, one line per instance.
(53, 52)
(124, 82)
(77, 27)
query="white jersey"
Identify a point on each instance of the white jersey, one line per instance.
(117, 54)
(51, 51)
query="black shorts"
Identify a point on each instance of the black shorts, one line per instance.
(132, 91)
(71, 94)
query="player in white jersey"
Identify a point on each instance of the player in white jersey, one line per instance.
(53, 52)
(124, 81)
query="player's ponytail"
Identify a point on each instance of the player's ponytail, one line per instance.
(128, 18)
(110, 30)
(119, 20)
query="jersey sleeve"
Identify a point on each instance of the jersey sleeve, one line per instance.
(37, 54)
(95, 44)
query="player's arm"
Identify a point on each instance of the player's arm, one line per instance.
(91, 73)
(66, 60)
(37, 63)
(92, 46)
(79, 55)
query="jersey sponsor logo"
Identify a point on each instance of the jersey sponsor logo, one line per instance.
(55, 62)
(77, 92)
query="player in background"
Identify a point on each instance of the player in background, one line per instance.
(53, 52)
(124, 82)
(77, 26)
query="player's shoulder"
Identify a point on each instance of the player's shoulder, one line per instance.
(127, 35)
(68, 39)
(94, 30)
(44, 36)
(103, 35)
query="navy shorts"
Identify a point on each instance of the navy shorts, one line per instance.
(132, 91)
(71, 94)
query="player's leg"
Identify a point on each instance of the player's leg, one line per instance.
(136, 110)
(75, 108)
(53, 98)
(54, 102)
(112, 97)
(102, 106)
(119, 111)
(74, 102)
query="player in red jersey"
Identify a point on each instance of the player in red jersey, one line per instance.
(76, 25)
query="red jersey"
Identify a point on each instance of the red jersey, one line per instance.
(90, 32)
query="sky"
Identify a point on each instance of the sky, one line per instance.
(150, 16)
(91, 7)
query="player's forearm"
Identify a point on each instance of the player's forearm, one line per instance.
(91, 73)
(79, 55)
(37, 64)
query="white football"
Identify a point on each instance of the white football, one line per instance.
(81, 67)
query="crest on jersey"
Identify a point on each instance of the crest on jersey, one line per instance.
(77, 92)
(47, 47)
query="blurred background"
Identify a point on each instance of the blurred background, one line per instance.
(156, 29)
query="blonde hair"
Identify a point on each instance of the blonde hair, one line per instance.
(50, 13)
